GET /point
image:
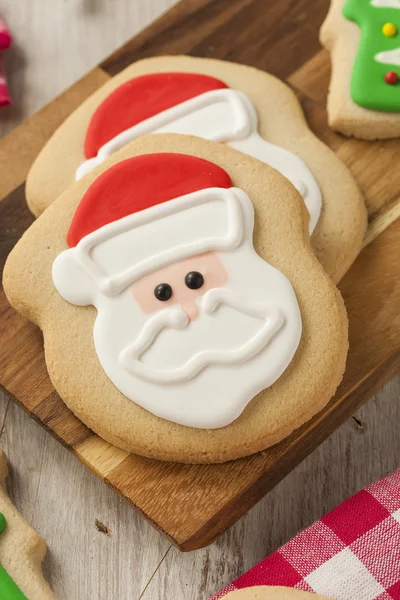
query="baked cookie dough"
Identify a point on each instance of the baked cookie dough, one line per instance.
(217, 331)
(241, 106)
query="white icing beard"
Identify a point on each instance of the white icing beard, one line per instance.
(203, 374)
(205, 343)
(226, 116)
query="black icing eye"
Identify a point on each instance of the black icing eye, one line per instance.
(194, 280)
(163, 292)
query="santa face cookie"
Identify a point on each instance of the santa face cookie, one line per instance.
(241, 107)
(197, 325)
(162, 246)
(21, 552)
(363, 39)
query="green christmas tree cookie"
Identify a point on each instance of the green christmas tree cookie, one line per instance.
(375, 81)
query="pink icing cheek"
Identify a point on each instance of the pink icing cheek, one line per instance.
(144, 295)
(208, 264)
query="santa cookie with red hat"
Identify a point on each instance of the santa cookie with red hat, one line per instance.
(238, 106)
(184, 314)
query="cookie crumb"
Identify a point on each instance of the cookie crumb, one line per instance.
(102, 528)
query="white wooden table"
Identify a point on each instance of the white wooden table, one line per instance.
(56, 42)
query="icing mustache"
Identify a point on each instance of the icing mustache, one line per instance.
(271, 322)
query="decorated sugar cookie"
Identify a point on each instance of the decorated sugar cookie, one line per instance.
(21, 552)
(181, 303)
(264, 592)
(241, 107)
(363, 37)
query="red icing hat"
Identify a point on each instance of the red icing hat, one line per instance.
(139, 183)
(140, 99)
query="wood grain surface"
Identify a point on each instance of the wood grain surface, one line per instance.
(205, 28)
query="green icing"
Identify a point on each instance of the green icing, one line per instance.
(8, 588)
(368, 86)
(3, 523)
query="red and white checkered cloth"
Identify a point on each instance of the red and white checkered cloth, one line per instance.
(352, 553)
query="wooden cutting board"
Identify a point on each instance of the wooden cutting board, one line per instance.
(193, 505)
